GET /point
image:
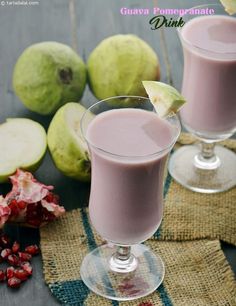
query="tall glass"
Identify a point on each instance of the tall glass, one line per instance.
(209, 86)
(126, 202)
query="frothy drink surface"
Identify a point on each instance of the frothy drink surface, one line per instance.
(130, 132)
(209, 74)
(126, 191)
(214, 33)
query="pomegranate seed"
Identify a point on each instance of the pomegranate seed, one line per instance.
(14, 282)
(4, 240)
(21, 204)
(13, 202)
(5, 253)
(49, 197)
(56, 199)
(32, 249)
(24, 256)
(14, 208)
(15, 247)
(27, 267)
(21, 274)
(47, 215)
(10, 272)
(13, 260)
(2, 276)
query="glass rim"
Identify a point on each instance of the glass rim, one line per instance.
(192, 44)
(136, 157)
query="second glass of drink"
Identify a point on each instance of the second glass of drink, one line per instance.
(209, 86)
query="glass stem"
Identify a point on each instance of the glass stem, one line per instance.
(206, 158)
(123, 252)
(123, 260)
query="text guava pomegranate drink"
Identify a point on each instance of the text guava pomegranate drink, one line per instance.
(126, 199)
(209, 82)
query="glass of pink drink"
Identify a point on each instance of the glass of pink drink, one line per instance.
(209, 86)
(128, 147)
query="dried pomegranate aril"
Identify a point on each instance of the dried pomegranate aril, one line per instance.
(15, 247)
(2, 276)
(21, 274)
(24, 256)
(10, 272)
(4, 240)
(14, 282)
(32, 249)
(5, 253)
(27, 267)
(13, 260)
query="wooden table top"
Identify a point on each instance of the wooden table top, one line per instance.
(81, 24)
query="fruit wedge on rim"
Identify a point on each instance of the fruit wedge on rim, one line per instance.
(23, 144)
(165, 98)
(230, 6)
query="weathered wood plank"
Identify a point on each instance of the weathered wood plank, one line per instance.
(20, 27)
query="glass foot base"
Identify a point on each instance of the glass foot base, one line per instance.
(122, 286)
(182, 168)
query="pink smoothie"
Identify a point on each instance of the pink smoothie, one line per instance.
(209, 82)
(126, 199)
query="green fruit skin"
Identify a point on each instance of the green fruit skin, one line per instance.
(32, 168)
(38, 77)
(66, 153)
(118, 65)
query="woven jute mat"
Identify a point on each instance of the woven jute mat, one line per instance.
(189, 215)
(197, 273)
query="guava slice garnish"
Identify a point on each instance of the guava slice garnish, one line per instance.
(165, 98)
(23, 144)
(229, 5)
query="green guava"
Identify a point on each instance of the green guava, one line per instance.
(23, 144)
(118, 65)
(47, 75)
(67, 146)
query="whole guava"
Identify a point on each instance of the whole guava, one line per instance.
(119, 64)
(47, 75)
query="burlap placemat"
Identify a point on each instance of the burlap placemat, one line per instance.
(197, 273)
(189, 215)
